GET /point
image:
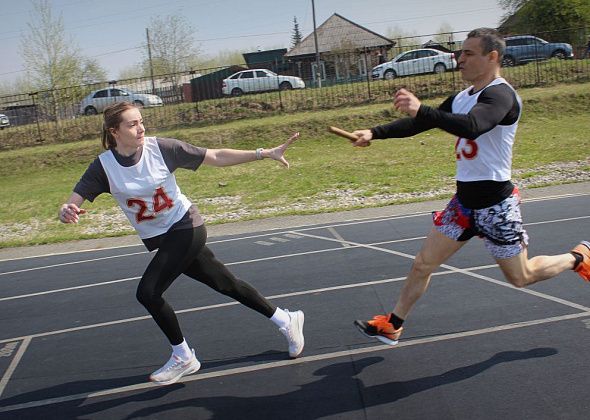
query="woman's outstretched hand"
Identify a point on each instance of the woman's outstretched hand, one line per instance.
(69, 213)
(278, 153)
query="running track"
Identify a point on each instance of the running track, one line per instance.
(74, 343)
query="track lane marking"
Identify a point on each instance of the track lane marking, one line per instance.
(12, 367)
(569, 219)
(463, 271)
(202, 376)
(295, 254)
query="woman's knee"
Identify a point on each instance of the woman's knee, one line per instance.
(148, 297)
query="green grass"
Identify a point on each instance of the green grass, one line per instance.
(35, 181)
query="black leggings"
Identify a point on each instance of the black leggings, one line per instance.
(184, 251)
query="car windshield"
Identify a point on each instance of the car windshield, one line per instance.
(270, 73)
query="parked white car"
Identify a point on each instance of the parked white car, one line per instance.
(259, 80)
(424, 60)
(98, 100)
(4, 122)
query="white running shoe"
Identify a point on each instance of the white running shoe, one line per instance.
(294, 333)
(174, 369)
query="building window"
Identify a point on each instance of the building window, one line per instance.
(314, 71)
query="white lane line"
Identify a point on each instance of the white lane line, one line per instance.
(222, 305)
(265, 243)
(296, 254)
(292, 236)
(81, 251)
(554, 197)
(298, 228)
(19, 354)
(69, 263)
(279, 239)
(67, 289)
(215, 306)
(463, 271)
(330, 228)
(340, 238)
(276, 239)
(202, 376)
(557, 220)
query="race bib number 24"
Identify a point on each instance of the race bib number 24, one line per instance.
(161, 202)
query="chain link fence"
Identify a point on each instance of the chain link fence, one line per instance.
(344, 78)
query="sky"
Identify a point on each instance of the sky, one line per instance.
(114, 31)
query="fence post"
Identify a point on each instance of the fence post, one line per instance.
(451, 45)
(537, 68)
(280, 96)
(39, 138)
(368, 76)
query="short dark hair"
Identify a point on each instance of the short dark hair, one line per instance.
(491, 40)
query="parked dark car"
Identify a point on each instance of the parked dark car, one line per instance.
(525, 48)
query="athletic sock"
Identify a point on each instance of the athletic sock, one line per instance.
(396, 321)
(182, 350)
(579, 258)
(281, 318)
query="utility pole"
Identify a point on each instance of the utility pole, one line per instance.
(149, 48)
(317, 52)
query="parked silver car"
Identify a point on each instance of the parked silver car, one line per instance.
(424, 60)
(4, 122)
(259, 80)
(98, 100)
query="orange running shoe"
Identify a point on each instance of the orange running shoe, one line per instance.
(583, 268)
(380, 328)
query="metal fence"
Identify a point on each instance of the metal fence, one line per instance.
(207, 96)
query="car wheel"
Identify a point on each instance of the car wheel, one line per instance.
(508, 61)
(236, 92)
(90, 110)
(439, 68)
(389, 75)
(559, 54)
(285, 86)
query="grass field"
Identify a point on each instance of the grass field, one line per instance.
(326, 173)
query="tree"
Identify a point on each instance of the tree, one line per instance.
(404, 40)
(172, 46)
(223, 58)
(15, 87)
(562, 20)
(54, 62)
(511, 5)
(443, 34)
(296, 37)
(131, 72)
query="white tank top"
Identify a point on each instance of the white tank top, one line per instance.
(489, 156)
(147, 191)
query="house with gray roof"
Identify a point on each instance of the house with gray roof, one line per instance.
(348, 51)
